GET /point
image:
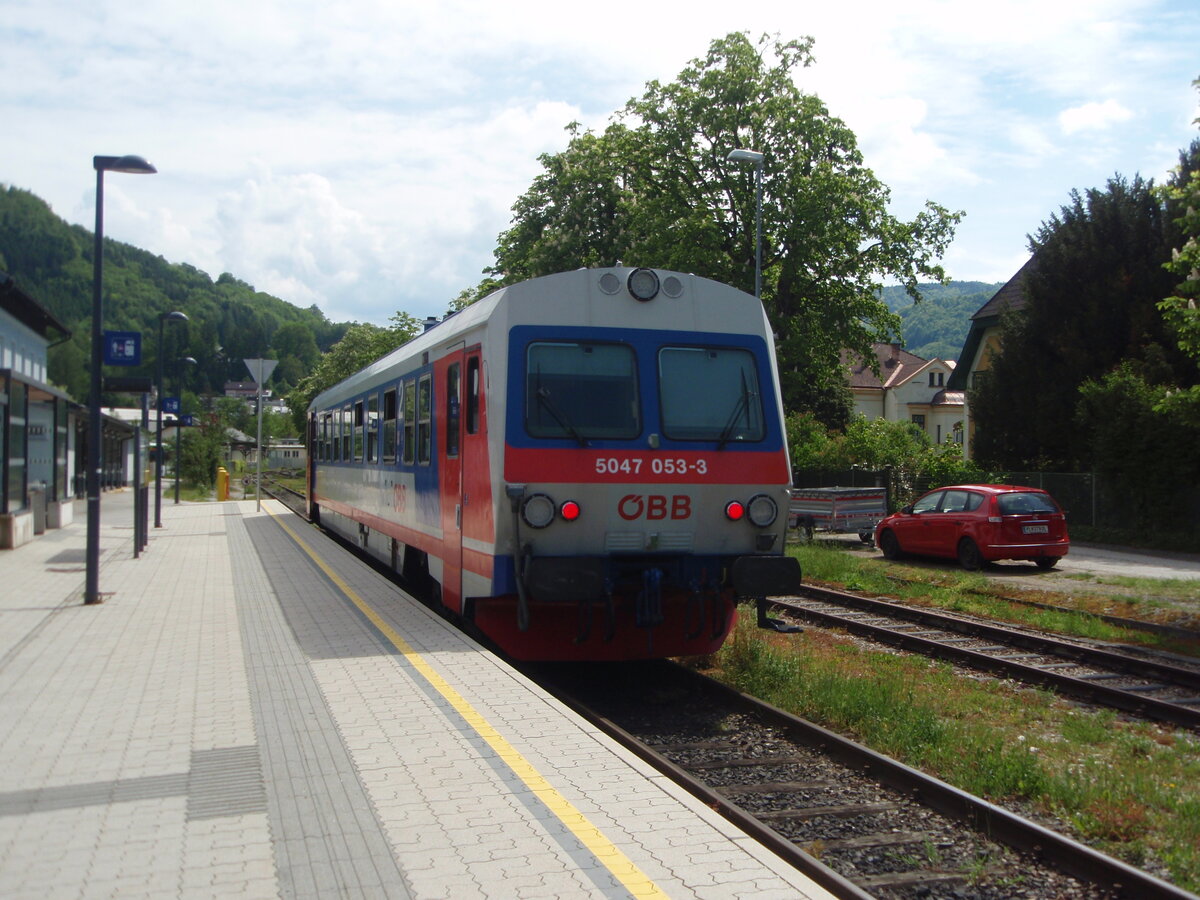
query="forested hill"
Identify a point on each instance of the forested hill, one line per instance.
(52, 262)
(938, 325)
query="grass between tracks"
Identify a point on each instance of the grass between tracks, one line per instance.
(1130, 789)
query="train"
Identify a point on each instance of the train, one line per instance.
(587, 466)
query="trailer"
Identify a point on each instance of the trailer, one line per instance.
(839, 510)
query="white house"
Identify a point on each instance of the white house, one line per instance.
(907, 389)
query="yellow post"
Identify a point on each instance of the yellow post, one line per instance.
(222, 484)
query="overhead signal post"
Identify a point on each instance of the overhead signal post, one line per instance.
(260, 371)
(175, 316)
(179, 364)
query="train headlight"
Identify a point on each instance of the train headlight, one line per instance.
(569, 510)
(762, 510)
(734, 511)
(643, 284)
(537, 511)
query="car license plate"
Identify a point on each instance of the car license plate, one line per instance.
(1035, 529)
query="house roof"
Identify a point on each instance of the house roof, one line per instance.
(28, 311)
(949, 398)
(1010, 297)
(895, 366)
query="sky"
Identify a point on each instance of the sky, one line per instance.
(364, 155)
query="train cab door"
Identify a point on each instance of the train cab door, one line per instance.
(465, 481)
(478, 532)
(450, 374)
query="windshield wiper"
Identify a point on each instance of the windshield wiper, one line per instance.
(742, 405)
(543, 395)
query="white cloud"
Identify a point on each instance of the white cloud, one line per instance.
(1093, 117)
(364, 155)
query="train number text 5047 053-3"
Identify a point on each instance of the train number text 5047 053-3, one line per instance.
(656, 465)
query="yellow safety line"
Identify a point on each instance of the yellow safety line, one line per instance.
(637, 882)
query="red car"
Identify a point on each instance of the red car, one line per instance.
(978, 523)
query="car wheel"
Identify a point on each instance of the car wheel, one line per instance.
(889, 545)
(1046, 562)
(968, 555)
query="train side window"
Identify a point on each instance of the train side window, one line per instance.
(372, 427)
(326, 437)
(347, 426)
(389, 425)
(453, 408)
(473, 395)
(424, 419)
(358, 431)
(410, 420)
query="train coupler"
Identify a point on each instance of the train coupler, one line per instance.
(649, 612)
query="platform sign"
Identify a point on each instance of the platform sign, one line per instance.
(187, 421)
(170, 405)
(122, 348)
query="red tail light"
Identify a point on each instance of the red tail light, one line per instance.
(734, 511)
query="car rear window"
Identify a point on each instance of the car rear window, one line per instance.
(1026, 503)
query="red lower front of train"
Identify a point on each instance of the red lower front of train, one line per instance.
(686, 625)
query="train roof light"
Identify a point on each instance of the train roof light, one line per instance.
(643, 284)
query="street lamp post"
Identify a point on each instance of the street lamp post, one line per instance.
(179, 416)
(175, 316)
(753, 156)
(102, 164)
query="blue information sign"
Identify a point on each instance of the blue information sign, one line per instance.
(187, 421)
(122, 348)
(170, 405)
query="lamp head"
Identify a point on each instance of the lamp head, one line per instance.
(133, 165)
(752, 156)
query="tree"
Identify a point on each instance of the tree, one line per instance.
(655, 189)
(200, 451)
(1145, 441)
(1091, 302)
(1183, 199)
(296, 339)
(359, 347)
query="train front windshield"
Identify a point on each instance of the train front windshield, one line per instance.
(710, 394)
(582, 391)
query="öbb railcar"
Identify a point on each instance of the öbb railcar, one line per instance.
(587, 466)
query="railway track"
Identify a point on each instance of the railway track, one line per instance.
(1164, 630)
(1134, 684)
(860, 824)
(289, 497)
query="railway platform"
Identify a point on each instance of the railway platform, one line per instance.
(254, 712)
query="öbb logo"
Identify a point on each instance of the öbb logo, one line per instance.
(654, 506)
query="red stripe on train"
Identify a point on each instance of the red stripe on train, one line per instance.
(594, 466)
